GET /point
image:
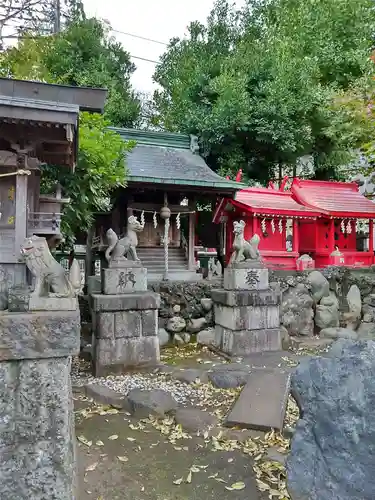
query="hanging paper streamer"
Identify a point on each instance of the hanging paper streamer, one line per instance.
(357, 225)
(342, 226)
(263, 225)
(154, 218)
(178, 221)
(273, 225)
(280, 226)
(143, 218)
(349, 227)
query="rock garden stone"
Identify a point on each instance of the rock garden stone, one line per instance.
(338, 333)
(352, 318)
(285, 338)
(150, 402)
(196, 325)
(206, 337)
(206, 304)
(297, 311)
(106, 396)
(194, 420)
(181, 338)
(190, 375)
(175, 324)
(163, 337)
(228, 379)
(176, 308)
(319, 285)
(327, 312)
(366, 331)
(333, 448)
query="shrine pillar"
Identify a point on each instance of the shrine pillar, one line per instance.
(295, 236)
(371, 236)
(331, 235)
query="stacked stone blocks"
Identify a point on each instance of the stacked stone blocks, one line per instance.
(247, 312)
(125, 321)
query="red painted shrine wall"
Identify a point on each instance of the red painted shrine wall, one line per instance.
(307, 236)
(345, 241)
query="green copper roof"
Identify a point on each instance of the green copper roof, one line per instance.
(168, 158)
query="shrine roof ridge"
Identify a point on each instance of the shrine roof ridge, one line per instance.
(171, 159)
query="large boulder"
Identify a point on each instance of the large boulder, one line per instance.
(366, 331)
(196, 325)
(333, 448)
(297, 311)
(327, 312)
(319, 285)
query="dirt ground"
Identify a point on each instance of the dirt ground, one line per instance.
(118, 462)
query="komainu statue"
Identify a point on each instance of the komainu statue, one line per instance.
(50, 277)
(242, 250)
(124, 249)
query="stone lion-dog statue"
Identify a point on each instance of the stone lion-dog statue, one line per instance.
(242, 250)
(51, 279)
(125, 248)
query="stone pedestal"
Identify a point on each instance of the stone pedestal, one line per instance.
(246, 312)
(37, 443)
(125, 322)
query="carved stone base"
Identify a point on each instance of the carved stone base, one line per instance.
(246, 279)
(53, 304)
(246, 342)
(124, 280)
(123, 262)
(125, 332)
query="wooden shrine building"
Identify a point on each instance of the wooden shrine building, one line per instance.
(166, 175)
(329, 221)
(38, 124)
(345, 217)
(274, 215)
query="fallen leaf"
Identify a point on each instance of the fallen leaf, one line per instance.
(123, 459)
(99, 443)
(113, 437)
(188, 479)
(236, 486)
(91, 467)
(130, 439)
(84, 441)
(178, 481)
(230, 460)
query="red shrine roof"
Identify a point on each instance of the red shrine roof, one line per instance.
(335, 199)
(267, 202)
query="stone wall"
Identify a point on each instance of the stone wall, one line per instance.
(336, 301)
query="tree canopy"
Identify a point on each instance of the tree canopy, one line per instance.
(258, 85)
(82, 54)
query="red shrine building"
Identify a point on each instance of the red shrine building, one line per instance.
(329, 221)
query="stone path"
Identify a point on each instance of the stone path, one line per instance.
(184, 451)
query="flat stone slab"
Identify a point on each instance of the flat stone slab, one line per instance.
(190, 375)
(247, 317)
(39, 334)
(106, 396)
(246, 342)
(234, 298)
(262, 402)
(53, 304)
(192, 419)
(150, 402)
(228, 379)
(125, 301)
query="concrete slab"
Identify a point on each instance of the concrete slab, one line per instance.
(262, 402)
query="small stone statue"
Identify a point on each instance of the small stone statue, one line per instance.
(50, 277)
(125, 249)
(244, 251)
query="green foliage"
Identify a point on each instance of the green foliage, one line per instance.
(100, 169)
(259, 86)
(82, 54)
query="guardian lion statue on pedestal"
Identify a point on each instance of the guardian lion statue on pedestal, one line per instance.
(242, 250)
